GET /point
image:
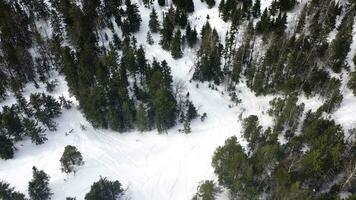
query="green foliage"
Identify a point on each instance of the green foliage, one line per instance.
(168, 28)
(105, 190)
(9, 193)
(6, 148)
(286, 113)
(233, 169)
(71, 158)
(209, 55)
(153, 23)
(191, 35)
(45, 109)
(142, 120)
(176, 50)
(340, 46)
(162, 2)
(38, 188)
(207, 190)
(252, 131)
(211, 3)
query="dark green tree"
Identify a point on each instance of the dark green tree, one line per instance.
(38, 187)
(71, 158)
(105, 190)
(6, 148)
(153, 22)
(176, 50)
(8, 193)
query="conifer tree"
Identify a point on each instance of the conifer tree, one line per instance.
(105, 190)
(208, 65)
(211, 3)
(149, 38)
(8, 193)
(133, 16)
(33, 130)
(167, 32)
(256, 9)
(71, 158)
(191, 35)
(153, 22)
(176, 45)
(340, 46)
(141, 118)
(6, 148)
(186, 126)
(38, 187)
(162, 2)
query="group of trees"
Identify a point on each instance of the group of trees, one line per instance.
(38, 189)
(311, 165)
(28, 119)
(208, 67)
(172, 38)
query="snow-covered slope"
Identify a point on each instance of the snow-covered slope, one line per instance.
(149, 165)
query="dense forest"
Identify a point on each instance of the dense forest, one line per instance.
(305, 154)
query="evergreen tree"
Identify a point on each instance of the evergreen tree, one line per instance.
(71, 158)
(211, 3)
(9, 193)
(149, 38)
(162, 2)
(340, 46)
(191, 111)
(133, 16)
(256, 9)
(105, 190)
(153, 22)
(209, 54)
(167, 32)
(141, 118)
(186, 126)
(207, 190)
(191, 35)
(6, 148)
(34, 131)
(176, 50)
(38, 188)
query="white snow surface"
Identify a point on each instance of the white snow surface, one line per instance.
(149, 165)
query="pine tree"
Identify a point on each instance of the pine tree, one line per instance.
(222, 8)
(133, 16)
(153, 22)
(176, 45)
(191, 111)
(211, 3)
(6, 148)
(256, 9)
(191, 35)
(38, 187)
(8, 193)
(167, 32)
(141, 118)
(105, 190)
(186, 126)
(71, 158)
(162, 2)
(340, 46)
(33, 130)
(209, 56)
(149, 38)
(165, 110)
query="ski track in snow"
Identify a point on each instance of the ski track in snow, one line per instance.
(149, 165)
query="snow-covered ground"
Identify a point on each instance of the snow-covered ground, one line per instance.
(149, 165)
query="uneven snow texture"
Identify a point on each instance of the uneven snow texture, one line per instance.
(150, 165)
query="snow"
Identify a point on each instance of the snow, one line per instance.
(149, 165)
